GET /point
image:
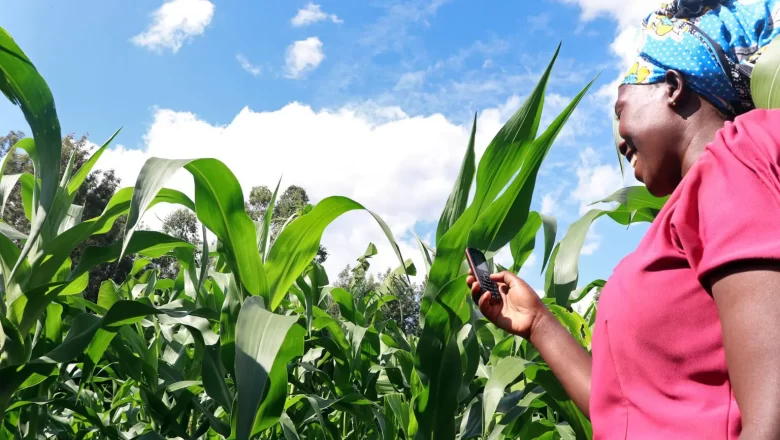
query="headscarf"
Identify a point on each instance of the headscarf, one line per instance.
(712, 43)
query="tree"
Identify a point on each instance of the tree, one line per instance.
(182, 224)
(94, 194)
(293, 201)
(405, 310)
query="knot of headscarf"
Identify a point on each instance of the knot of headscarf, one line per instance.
(712, 43)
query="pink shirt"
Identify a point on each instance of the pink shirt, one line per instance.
(659, 367)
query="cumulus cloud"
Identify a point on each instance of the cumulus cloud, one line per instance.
(312, 13)
(174, 23)
(595, 180)
(549, 204)
(303, 56)
(248, 66)
(628, 15)
(400, 167)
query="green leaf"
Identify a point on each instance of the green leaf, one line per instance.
(23, 86)
(214, 379)
(579, 294)
(78, 179)
(469, 358)
(566, 263)
(9, 254)
(28, 308)
(635, 198)
(228, 318)
(499, 162)
(504, 373)
(95, 350)
(439, 360)
(64, 244)
(635, 204)
(28, 184)
(550, 233)
(503, 219)
(298, 243)
(522, 245)
(85, 326)
(401, 410)
(259, 337)
(558, 400)
(12, 350)
(108, 294)
(151, 244)
(53, 326)
(10, 232)
(618, 141)
(425, 251)
(765, 78)
(514, 410)
(219, 204)
(7, 184)
(471, 424)
(153, 176)
(458, 199)
(345, 302)
(288, 427)
(272, 406)
(565, 431)
(264, 234)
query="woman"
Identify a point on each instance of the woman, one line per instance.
(686, 343)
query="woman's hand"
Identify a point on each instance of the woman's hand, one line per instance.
(520, 308)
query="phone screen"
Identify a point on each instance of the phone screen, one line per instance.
(478, 259)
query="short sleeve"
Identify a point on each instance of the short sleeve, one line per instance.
(729, 207)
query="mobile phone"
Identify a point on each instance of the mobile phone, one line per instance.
(479, 267)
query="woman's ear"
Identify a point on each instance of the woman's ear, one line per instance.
(675, 88)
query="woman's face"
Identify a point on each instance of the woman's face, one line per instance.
(652, 136)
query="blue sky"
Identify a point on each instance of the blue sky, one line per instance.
(371, 100)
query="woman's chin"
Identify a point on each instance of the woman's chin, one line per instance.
(638, 172)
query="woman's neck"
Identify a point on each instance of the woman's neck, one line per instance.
(702, 131)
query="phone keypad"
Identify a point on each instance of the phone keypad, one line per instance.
(488, 285)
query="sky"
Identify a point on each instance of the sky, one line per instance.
(372, 100)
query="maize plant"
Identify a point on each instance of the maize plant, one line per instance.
(241, 344)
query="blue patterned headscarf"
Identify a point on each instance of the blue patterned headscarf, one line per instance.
(712, 43)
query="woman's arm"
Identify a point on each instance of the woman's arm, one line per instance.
(522, 313)
(748, 300)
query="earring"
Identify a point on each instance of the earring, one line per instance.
(672, 102)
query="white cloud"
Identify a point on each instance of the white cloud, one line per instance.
(392, 30)
(378, 161)
(248, 66)
(504, 258)
(595, 180)
(549, 204)
(312, 13)
(410, 80)
(592, 242)
(175, 22)
(628, 14)
(303, 56)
